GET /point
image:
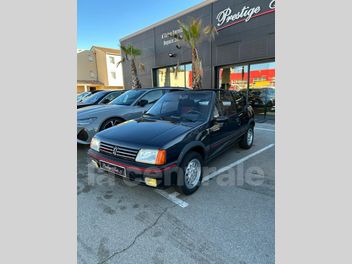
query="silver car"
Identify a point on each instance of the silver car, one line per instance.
(131, 104)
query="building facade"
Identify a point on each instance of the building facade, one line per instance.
(98, 69)
(240, 57)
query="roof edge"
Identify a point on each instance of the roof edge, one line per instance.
(188, 10)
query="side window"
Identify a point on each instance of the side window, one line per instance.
(217, 108)
(152, 96)
(240, 101)
(107, 99)
(227, 104)
(216, 112)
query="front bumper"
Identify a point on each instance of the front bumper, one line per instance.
(165, 175)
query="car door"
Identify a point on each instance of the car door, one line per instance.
(240, 102)
(225, 126)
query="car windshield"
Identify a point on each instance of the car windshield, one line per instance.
(182, 106)
(82, 95)
(127, 98)
(93, 98)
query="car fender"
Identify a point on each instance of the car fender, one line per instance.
(188, 147)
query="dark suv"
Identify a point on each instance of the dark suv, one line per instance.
(175, 138)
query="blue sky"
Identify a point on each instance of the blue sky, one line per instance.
(104, 22)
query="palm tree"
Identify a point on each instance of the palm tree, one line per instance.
(192, 35)
(130, 54)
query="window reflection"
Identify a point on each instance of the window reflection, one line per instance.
(261, 93)
(261, 85)
(233, 77)
(174, 76)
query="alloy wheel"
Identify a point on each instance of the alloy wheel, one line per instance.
(193, 173)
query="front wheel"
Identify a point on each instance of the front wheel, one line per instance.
(191, 174)
(247, 139)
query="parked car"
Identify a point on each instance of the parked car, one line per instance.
(129, 105)
(84, 95)
(262, 97)
(175, 138)
(101, 97)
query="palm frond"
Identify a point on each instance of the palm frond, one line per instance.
(121, 61)
(130, 50)
(185, 31)
(194, 29)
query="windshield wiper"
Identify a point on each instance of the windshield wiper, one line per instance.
(183, 118)
(168, 118)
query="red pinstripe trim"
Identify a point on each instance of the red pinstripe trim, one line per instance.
(132, 167)
(239, 21)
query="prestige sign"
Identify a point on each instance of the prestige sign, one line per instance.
(228, 17)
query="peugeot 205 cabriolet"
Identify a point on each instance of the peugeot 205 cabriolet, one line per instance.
(175, 138)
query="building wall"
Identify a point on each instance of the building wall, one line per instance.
(112, 61)
(144, 42)
(86, 66)
(101, 66)
(236, 42)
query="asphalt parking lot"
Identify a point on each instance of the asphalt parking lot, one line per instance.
(230, 219)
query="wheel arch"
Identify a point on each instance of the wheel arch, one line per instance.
(112, 117)
(193, 146)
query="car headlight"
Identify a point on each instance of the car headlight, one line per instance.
(86, 121)
(95, 144)
(151, 156)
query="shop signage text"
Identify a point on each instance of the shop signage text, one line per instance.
(168, 37)
(228, 17)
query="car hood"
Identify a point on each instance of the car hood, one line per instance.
(94, 110)
(142, 133)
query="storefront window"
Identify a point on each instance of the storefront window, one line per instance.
(261, 92)
(175, 77)
(233, 77)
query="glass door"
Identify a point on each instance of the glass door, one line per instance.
(261, 94)
(233, 77)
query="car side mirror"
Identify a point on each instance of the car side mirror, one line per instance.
(220, 119)
(143, 102)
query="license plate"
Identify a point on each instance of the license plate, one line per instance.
(118, 170)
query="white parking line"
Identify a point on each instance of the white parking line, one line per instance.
(265, 129)
(172, 197)
(218, 172)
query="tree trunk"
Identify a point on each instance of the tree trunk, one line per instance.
(167, 77)
(196, 70)
(136, 84)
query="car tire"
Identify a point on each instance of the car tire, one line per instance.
(189, 169)
(247, 139)
(110, 123)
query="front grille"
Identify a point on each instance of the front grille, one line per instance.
(120, 152)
